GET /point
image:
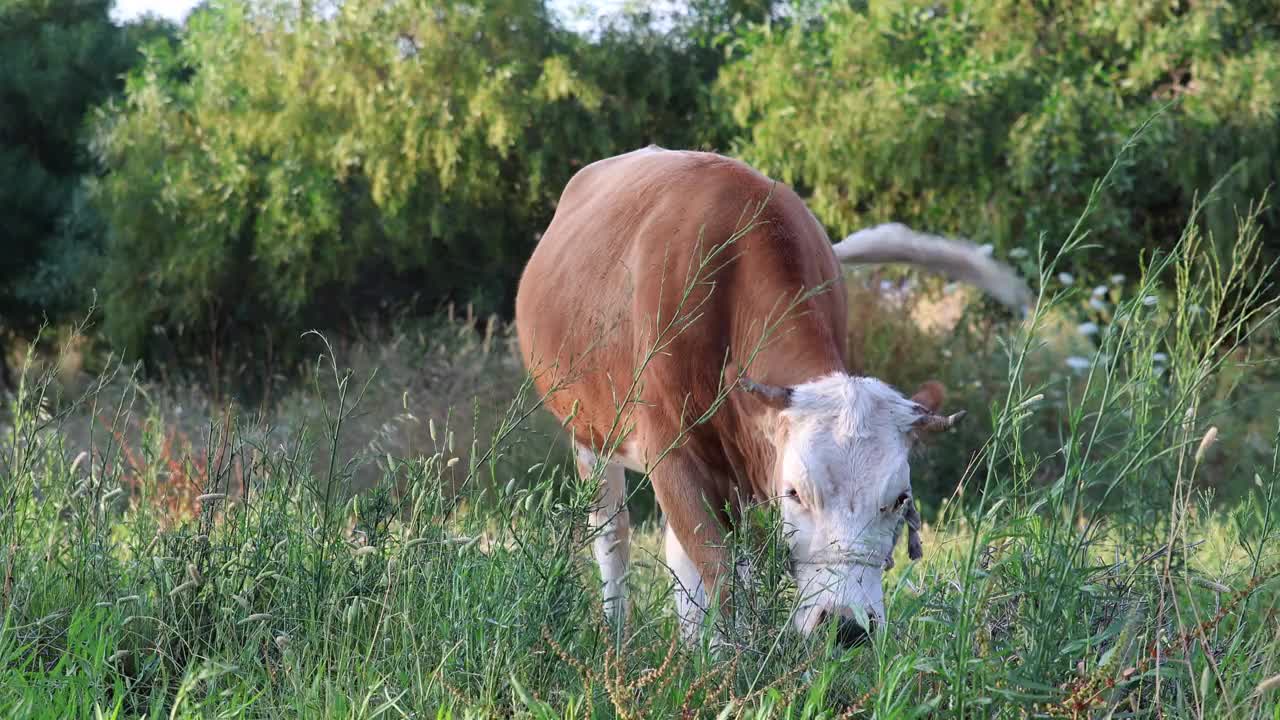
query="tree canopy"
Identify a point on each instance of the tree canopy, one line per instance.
(58, 58)
(995, 119)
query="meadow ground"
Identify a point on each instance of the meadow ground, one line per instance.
(1102, 540)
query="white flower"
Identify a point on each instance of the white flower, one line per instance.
(1087, 328)
(1160, 358)
(1097, 304)
(1075, 362)
(1100, 291)
(1018, 252)
(1066, 278)
(1117, 279)
(1150, 300)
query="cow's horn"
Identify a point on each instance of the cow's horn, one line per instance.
(774, 396)
(939, 423)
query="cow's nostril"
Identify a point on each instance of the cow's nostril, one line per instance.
(850, 632)
(822, 617)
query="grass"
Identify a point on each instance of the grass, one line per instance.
(1077, 568)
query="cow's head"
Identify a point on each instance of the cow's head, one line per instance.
(844, 485)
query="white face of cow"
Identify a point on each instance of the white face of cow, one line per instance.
(844, 485)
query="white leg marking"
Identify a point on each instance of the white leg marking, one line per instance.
(690, 596)
(612, 546)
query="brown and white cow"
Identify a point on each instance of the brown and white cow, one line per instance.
(640, 317)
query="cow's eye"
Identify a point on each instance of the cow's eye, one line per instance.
(792, 494)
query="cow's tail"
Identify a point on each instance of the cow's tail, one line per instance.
(956, 259)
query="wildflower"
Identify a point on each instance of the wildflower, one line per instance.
(1150, 300)
(1117, 279)
(1018, 252)
(1087, 329)
(1209, 438)
(1066, 278)
(1097, 303)
(1100, 290)
(1160, 358)
(1075, 362)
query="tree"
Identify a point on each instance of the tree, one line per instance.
(993, 120)
(313, 167)
(58, 58)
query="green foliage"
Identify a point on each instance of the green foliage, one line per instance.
(994, 119)
(279, 160)
(58, 58)
(310, 168)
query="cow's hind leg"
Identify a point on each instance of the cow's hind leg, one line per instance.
(611, 522)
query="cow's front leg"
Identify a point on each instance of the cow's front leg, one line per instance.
(694, 550)
(690, 594)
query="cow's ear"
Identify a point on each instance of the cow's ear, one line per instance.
(777, 397)
(928, 400)
(930, 396)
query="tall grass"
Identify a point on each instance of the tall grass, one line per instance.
(1075, 572)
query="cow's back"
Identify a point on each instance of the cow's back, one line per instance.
(664, 250)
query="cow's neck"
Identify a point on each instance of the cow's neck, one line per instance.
(752, 452)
